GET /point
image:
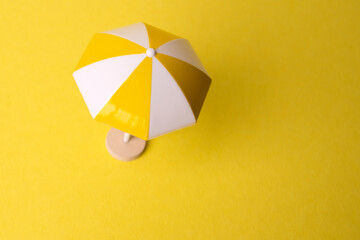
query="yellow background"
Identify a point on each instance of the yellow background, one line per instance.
(275, 153)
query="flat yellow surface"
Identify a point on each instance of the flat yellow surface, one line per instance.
(275, 153)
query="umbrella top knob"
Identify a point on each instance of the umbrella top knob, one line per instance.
(150, 52)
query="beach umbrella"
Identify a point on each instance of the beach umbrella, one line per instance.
(142, 81)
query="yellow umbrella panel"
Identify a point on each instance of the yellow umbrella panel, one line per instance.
(142, 80)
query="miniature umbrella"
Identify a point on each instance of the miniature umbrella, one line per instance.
(142, 80)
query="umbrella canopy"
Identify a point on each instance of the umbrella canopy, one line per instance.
(142, 80)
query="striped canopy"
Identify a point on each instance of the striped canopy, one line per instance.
(142, 80)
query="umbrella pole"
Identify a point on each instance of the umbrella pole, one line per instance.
(126, 137)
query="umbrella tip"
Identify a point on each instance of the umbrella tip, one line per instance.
(150, 52)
